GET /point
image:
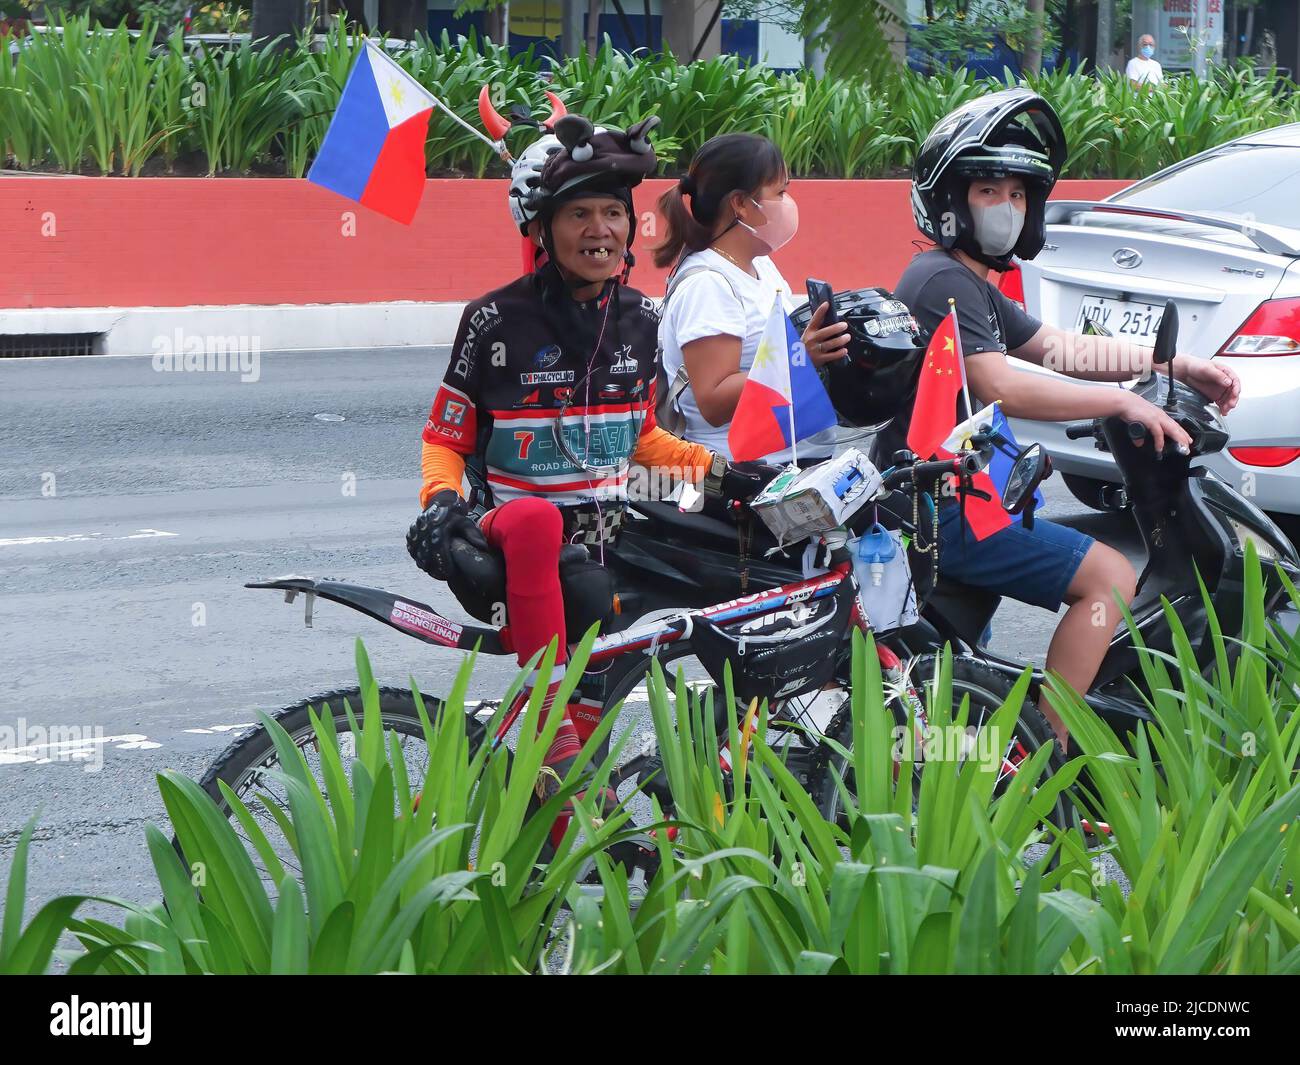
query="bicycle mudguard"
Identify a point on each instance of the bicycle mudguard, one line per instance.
(406, 615)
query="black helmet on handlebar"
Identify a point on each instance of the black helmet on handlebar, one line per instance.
(1011, 133)
(877, 376)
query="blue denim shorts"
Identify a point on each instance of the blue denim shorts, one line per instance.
(1034, 567)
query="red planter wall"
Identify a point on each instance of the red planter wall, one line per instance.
(118, 242)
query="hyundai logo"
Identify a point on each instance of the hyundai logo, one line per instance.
(1127, 259)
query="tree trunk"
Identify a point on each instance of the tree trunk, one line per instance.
(498, 24)
(1032, 61)
(571, 35)
(271, 18)
(1105, 34)
(593, 25)
(1069, 29)
(814, 52)
(704, 37)
(401, 18)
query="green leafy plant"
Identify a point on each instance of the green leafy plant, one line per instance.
(1202, 809)
(117, 101)
(966, 875)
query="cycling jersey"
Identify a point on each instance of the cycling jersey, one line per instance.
(510, 375)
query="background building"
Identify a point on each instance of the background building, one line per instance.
(540, 23)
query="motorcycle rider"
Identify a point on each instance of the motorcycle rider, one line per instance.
(979, 185)
(549, 390)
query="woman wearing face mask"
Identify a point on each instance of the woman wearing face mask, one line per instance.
(979, 187)
(725, 218)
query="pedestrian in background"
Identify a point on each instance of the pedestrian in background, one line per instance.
(1144, 70)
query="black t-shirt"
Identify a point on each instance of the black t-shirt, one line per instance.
(986, 321)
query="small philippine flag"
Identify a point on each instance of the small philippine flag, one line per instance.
(783, 400)
(373, 151)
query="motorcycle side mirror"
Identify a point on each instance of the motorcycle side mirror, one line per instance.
(1167, 345)
(1167, 334)
(1029, 469)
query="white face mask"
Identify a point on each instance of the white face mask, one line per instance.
(997, 228)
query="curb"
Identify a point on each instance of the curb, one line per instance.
(281, 327)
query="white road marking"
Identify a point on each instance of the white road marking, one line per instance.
(69, 750)
(220, 728)
(76, 538)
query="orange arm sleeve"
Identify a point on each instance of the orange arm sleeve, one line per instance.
(441, 468)
(659, 448)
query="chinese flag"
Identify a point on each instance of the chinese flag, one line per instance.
(935, 412)
(934, 416)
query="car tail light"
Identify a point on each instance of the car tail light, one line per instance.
(1274, 329)
(1270, 457)
(1012, 285)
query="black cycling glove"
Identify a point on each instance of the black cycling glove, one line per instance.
(429, 538)
(744, 480)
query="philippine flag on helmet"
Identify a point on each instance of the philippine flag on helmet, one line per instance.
(783, 400)
(373, 151)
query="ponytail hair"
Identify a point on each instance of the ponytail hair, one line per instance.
(733, 162)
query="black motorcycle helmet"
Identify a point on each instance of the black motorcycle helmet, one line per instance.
(1013, 132)
(877, 376)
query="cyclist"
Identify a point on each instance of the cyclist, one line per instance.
(979, 185)
(549, 391)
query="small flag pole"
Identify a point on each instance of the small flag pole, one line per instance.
(794, 444)
(497, 146)
(961, 359)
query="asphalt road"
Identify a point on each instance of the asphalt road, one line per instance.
(134, 504)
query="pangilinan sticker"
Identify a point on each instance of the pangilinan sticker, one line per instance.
(416, 619)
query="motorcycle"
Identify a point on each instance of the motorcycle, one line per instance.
(1191, 522)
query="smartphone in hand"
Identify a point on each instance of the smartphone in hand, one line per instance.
(820, 292)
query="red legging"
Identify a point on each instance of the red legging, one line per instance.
(529, 532)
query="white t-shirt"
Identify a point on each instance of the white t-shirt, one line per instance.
(1144, 71)
(704, 305)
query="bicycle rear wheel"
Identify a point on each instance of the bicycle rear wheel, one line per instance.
(987, 690)
(243, 766)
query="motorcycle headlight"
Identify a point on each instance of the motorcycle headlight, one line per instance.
(1265, 550)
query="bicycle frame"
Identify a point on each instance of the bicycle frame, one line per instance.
(422, 622)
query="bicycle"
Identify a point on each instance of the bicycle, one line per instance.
(806, 691)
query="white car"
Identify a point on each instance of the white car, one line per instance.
(1219, 234)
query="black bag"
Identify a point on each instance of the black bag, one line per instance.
(478, 581)
(781, 655)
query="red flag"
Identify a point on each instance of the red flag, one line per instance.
(935, 412)
(934, 417)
